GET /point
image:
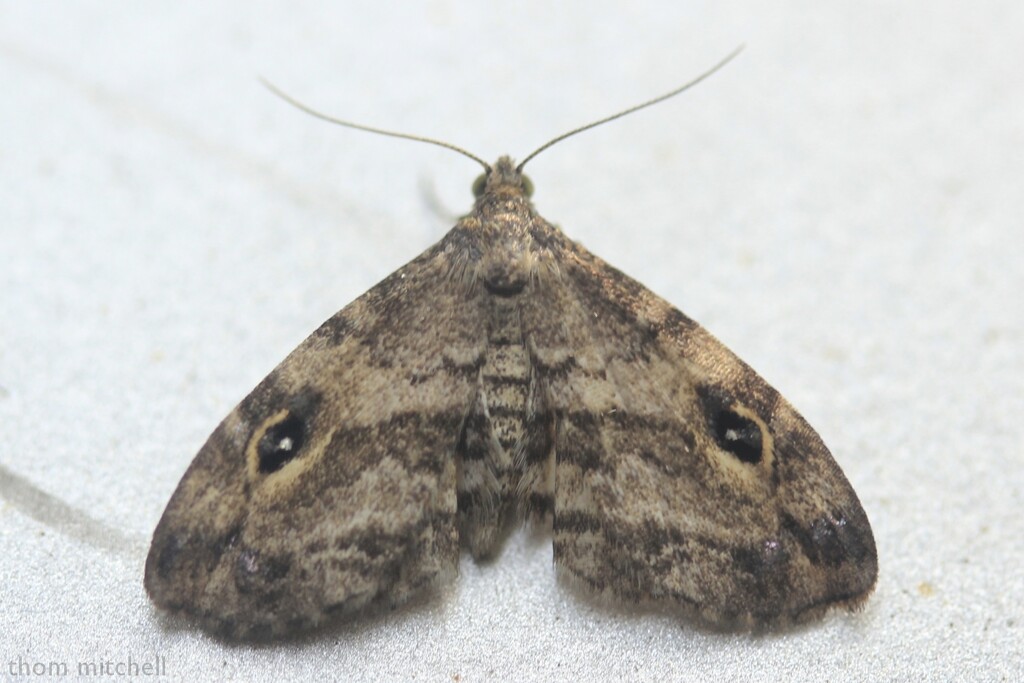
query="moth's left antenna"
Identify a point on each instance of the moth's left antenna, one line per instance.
(358, 126)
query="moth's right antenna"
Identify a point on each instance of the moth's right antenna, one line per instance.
(358, 126)
(687, 86)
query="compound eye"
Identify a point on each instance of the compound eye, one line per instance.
(527, 186)
(479, 185)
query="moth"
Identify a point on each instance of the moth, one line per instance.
(507, 374)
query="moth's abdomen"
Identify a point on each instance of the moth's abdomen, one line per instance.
(494, 432)
(505, 380)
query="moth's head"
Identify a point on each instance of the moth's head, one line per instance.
(503, 179)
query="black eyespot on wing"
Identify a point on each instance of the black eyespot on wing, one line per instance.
(733, 432)
(739, 435)
(281, 443)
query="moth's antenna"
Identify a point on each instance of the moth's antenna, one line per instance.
(348, 124)
(706, 74)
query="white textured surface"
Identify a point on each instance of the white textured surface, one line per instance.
(842, 206)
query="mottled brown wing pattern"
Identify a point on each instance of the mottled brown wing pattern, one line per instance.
(506, 373)
(680, 475)
(333, 483)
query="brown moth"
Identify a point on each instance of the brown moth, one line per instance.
(508, 374)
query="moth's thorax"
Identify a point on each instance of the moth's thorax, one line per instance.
(498, 238)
